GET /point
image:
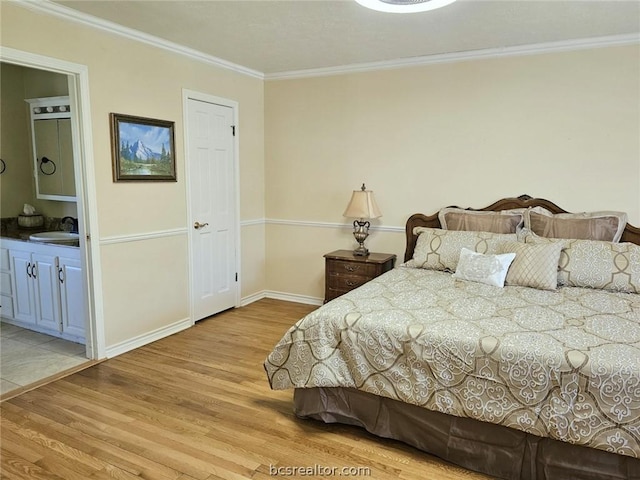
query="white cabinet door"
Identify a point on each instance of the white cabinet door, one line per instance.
(47, 292)
(24, 308)
(6, 285)
(42, 288)
(72, 296)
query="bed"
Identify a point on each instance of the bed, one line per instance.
(533, 379)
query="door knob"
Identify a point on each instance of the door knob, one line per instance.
(199, 225)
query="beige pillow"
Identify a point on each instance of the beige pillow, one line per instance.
(535, 265)
(606, 226)
(597, 264)
(438, 249)
(504, 221)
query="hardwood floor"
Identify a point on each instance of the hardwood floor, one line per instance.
(196, 405)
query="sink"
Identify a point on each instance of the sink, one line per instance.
(55, 237)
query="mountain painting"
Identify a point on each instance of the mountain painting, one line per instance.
(142, 148)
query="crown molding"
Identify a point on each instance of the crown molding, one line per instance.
(60, 11)
(521, 50)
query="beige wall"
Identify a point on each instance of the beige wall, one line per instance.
(18, 186)
(145, 283)
(562, 126)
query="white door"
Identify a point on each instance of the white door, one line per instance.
(212, 192)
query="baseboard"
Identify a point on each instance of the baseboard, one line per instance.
(252, 298)
(147, 338)
(287, 297)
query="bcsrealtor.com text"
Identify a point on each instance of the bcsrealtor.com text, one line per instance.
(318, 471)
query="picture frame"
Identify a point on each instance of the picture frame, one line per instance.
(142, 149)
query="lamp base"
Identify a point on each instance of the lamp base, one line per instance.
(361, 251)
(360, 232)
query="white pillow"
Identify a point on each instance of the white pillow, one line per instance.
(481, 268)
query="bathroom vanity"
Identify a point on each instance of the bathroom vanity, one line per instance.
(42, 288)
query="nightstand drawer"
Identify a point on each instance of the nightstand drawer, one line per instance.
(340, 267)
(346, 282)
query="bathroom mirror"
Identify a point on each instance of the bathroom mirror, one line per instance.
(52, 148)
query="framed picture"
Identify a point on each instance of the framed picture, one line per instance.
(142, 149)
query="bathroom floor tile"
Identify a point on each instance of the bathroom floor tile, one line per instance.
(10, 348)
(31, 338)
(7, 386)
(27, 357)
(64, 347)
(36, 366)
(6, 330)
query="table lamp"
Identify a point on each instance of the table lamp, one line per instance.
(362, 206)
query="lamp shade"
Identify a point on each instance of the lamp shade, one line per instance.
(362, 205)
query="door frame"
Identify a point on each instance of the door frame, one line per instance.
(78, 80)
(204, 97)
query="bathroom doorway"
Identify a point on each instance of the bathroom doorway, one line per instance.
(74, 79)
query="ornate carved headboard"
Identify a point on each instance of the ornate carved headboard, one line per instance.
(631, 233)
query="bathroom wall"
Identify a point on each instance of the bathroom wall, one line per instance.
(17, 182)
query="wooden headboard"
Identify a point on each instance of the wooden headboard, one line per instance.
(631, 233)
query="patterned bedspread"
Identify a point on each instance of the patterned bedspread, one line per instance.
(563, 364)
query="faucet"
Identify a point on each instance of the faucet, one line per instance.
(72, 221)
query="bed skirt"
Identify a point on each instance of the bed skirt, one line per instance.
(483, 447)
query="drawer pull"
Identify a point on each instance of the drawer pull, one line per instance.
(28, 270)
(352, 268)
(350, 283)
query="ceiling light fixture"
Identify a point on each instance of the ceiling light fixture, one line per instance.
(404, 6)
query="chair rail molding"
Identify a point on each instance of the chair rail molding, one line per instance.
(137, 237)
(314, 224)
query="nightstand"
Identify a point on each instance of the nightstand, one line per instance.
(344, 271)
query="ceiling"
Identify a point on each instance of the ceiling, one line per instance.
(276, 36)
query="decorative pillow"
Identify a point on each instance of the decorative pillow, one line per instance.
(504, 221)
(606, 226)
(487, 269)
(535, 265)
(597, 264)
(438, 249)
